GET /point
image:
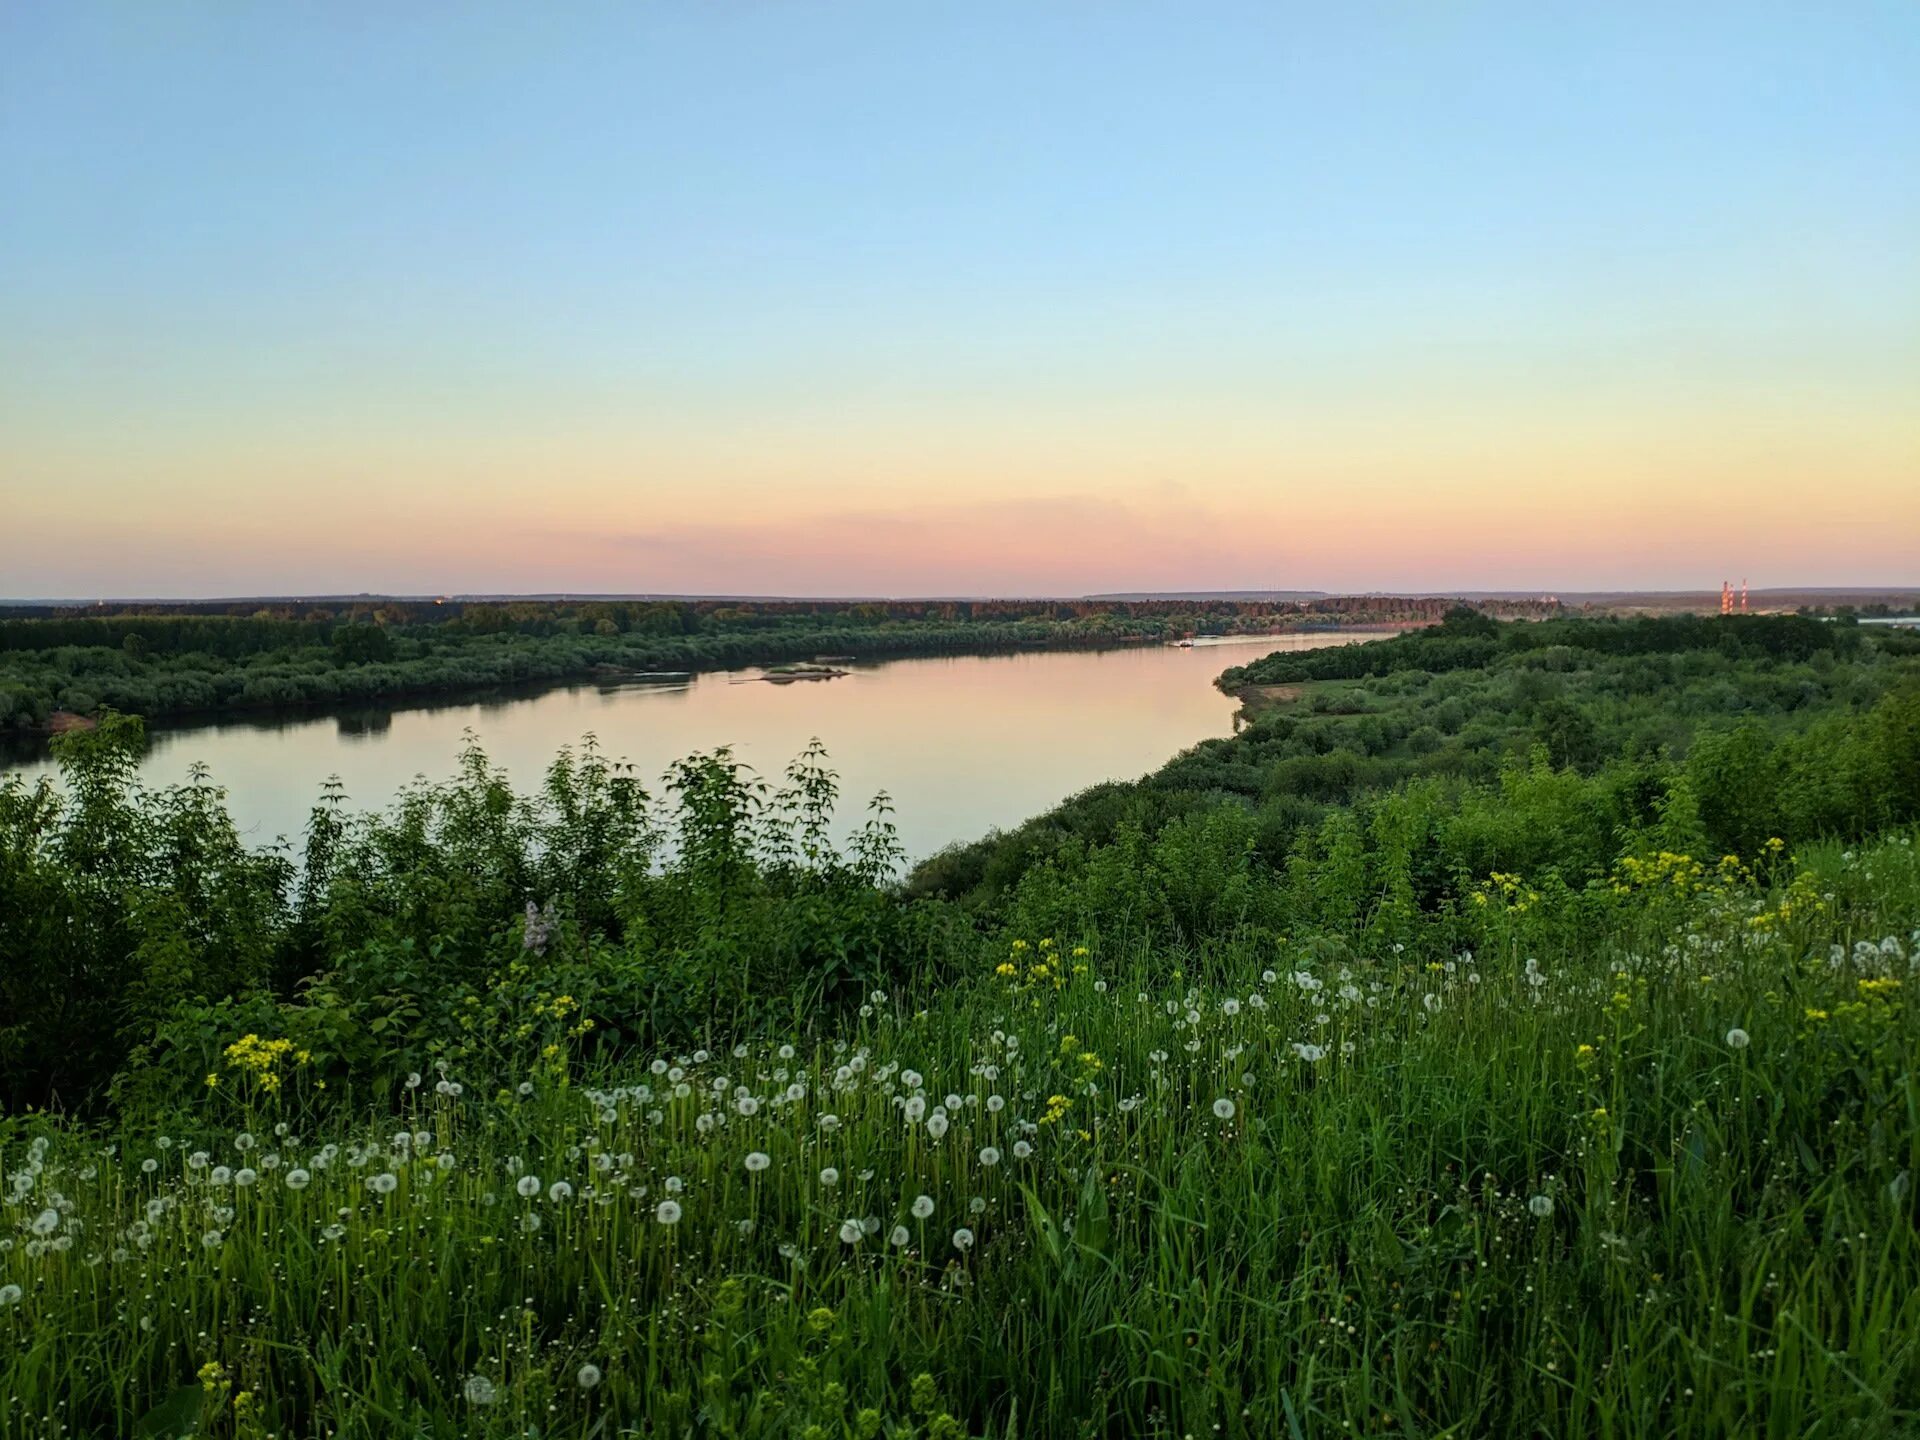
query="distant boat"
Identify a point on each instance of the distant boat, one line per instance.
(1183, 644)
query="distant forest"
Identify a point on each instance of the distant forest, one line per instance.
(162, 660)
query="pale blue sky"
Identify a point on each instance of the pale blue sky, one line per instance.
(654, 296)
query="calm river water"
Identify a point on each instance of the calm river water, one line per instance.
(963, 744)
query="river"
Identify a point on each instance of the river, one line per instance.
(962, 744)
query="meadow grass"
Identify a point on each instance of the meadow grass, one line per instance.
(1659, 1182)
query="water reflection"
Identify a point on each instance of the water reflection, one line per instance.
(364, 724)
(962, 744)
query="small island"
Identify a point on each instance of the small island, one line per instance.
(800, 670)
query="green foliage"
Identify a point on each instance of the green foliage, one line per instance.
(116, 907)
(1515, 1047)
(357, 645)
(135, 922)
(1649, 1170)
(154, 662)
(1469, 640)
(1361, 810)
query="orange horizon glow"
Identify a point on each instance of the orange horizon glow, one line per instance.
(503, 305)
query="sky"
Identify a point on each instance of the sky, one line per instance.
(956, 298)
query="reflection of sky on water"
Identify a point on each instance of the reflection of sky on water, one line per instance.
(963, 744)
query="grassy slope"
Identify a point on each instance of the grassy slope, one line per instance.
(1233, 1183)
(1445, 1218)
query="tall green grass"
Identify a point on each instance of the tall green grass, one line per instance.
(1656, 1181)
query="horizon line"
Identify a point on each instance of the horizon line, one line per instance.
(1117, 596)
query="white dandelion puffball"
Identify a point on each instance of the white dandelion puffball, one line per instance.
(829, 1177)
(1223, 1108)
(963, 1239)
(1541, 1206)
(900, 1237)
(558, 1191)
(936, 1125)
(1021, 1149)
(528, 1186)
(989, 1155)
(850, 1232)
(1737, 1039)
(923, 1207)
(479, 1390)
(298, 1179)
(758, 1160)
(10, 1295)
(667, 1212)
(385, 1183)
(588, 1376)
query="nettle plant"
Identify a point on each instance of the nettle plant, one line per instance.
(512, 931)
